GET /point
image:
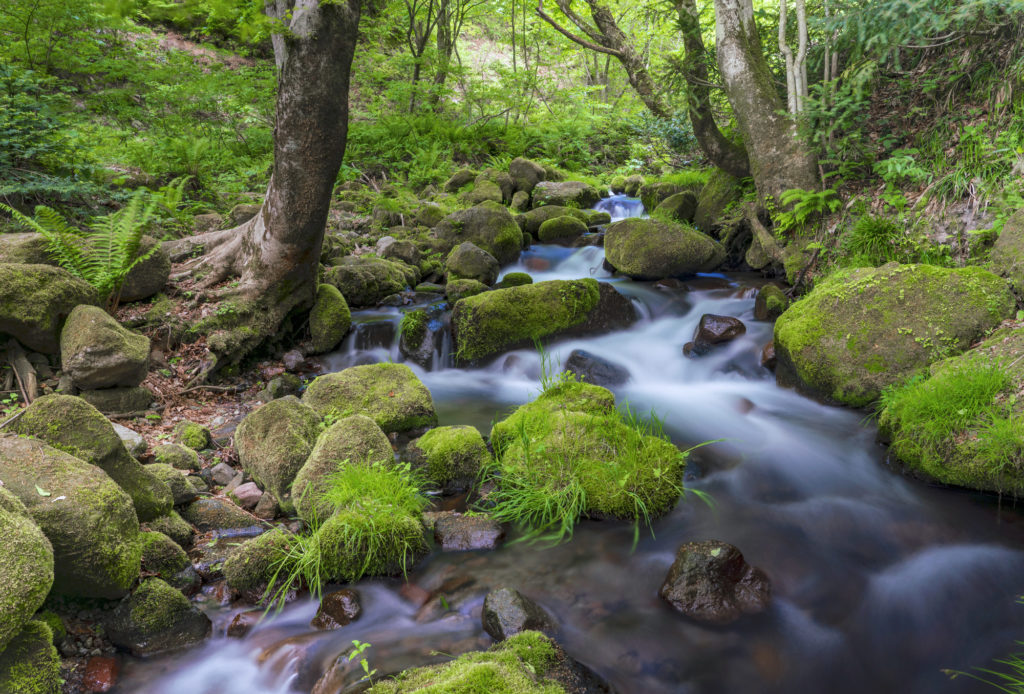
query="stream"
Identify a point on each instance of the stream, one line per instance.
(879, 582)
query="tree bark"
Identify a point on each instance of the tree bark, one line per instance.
(275, 255)
(720, 150)
(779, 160)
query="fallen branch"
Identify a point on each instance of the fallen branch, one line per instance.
(24, 372)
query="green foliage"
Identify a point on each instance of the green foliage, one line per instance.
(801, 207)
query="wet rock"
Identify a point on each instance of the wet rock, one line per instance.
(156, 618)
(507, 612)
(97, 352)
(768, 359)
(222, 473)
(246, 495)
(217, 515)
(591, 368)
(458, 533)
(652, 249)
(714, 330)
(337, 609)
(574, 193)
(101, 673)
(35, 300)
(711, 582)
(770, 303)
(469, 262)
(242, 623)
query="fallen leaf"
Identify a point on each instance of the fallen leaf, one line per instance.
(41, 491)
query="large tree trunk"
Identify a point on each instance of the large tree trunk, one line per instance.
(720, 150)
(275, 255)
(779, 160)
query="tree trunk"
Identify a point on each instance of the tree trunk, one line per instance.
(275, 255)
(779, 160)
(720, 150)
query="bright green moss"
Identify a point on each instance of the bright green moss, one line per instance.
(34, 299)
(329, 320)
(453, 456)
(456, 290)
(26, 572)
(561, 230)
(162, 555)
(515, 279)
(56, 624)
(30, 664)
(254, 563)
(192, 435)
(389, 394)
(177, 456)
(414, 328)
(369, 539)
(156, 606)
(173, 526)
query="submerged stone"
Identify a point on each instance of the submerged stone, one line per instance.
(337, 609)
(711, 582)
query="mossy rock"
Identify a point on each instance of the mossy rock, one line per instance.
(26, 573)
(181, 491)
(770, 303)
(156, 618)
(460, 289)
(35, 300)
(514, 279)
(653, 194)
(527, 663)
(488, 226)
(520, 202)
(500, 178)
(97, 352)
(632, 185)
(862, 330)
(329, 320)
(429, 214)
(25, 249)
(1008, 253)
(218, 515)
(252, 565)
(651, 249)
(274, 442)
(366, 280)
(718, 193)
(118, 400)
(597, 218)
(148, 277)
(352, 440)
(679, 207)
(565, 194)
(368, 541)
(89, 520)
(618, 185)
(525, 174)
(389, 394)
(74, 426)
(56, 624)
(30, 664)
(173, 526)
(469, 262)
(459, 180)
(192, 435)
(531, 221)
(576, 435)
(963, 425)
(482, 191)
(451, 457)
(561, 230)
(504, 319)
(177, 456)
(164, 557)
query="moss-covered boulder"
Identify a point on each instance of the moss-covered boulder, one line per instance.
(219, 516)
(366, 280)
(632, 184)
(274, 442)
(451, 457)
(1008, 252)
(74, 426)
(429, 214)
(653, 194)
(177, 456)
(862, 330)
(561, 230)
(459, 180)
(352, 440)
(118, 400)
(369, 539)
(651, 249)
(531, 221)
(525, 174)
(597, 218)
(460, 289)
(26, 249)
(192, 435)
(504, 319)
(166, 559)
(520, 202)
(566, 194)
(181, 491)
(156, 618)
(89, 520)
(514, 279)
(718, 193)
(30, 664)
(488, 226)
(35, 300)
(389, 394)
(963, 424)
(482, 191)
(329, 320)
(679, 207)
(173, 526)
(252, 565)
(468, 262)
(770, 303)
(26, 573)
(575, 436)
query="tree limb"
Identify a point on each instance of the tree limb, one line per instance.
(571, 36)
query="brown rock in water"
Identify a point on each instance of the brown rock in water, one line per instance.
(507, 612)
(714, 330)
(101, 674)
(458, 533)
(243, 623)
(337, 609)
(711, 582)
(768, 356)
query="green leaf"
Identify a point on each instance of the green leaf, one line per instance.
(41, 491)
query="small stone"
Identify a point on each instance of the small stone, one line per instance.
(192, 435)
(235, 483)
(711, 582)
(337, 609)
(266, 507)
(507, 612)
(768, 359)
(243, 623)
(457, 533)
(222, 473)
(101, 674)
(714, 330)
(247, 495)
(293, 360)
(415, 594)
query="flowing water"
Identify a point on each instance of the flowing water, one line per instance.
(880, 582)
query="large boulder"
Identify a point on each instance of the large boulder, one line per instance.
(366, 280)
(488, 226)
(30, 664)
(450, 457)
(74, 426)
(862, 330)
(568, 193)
(964, 424)
(525, 174)
(531, 221)
(389, 394)
(274, 442)
(504, 319)
(679, 207)
(468, 262)
(561, 230)
(354, 440)
(88, 519)
(483, 190)
(148, 277)
(329, 320)
(156, 618)
(710, 581)
(26, 573)
(98, 352)
(1008, 253)
(35, 300)
(652, 249)
(718, 193)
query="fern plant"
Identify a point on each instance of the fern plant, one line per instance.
(105, 252)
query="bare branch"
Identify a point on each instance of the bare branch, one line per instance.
(571, 36)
